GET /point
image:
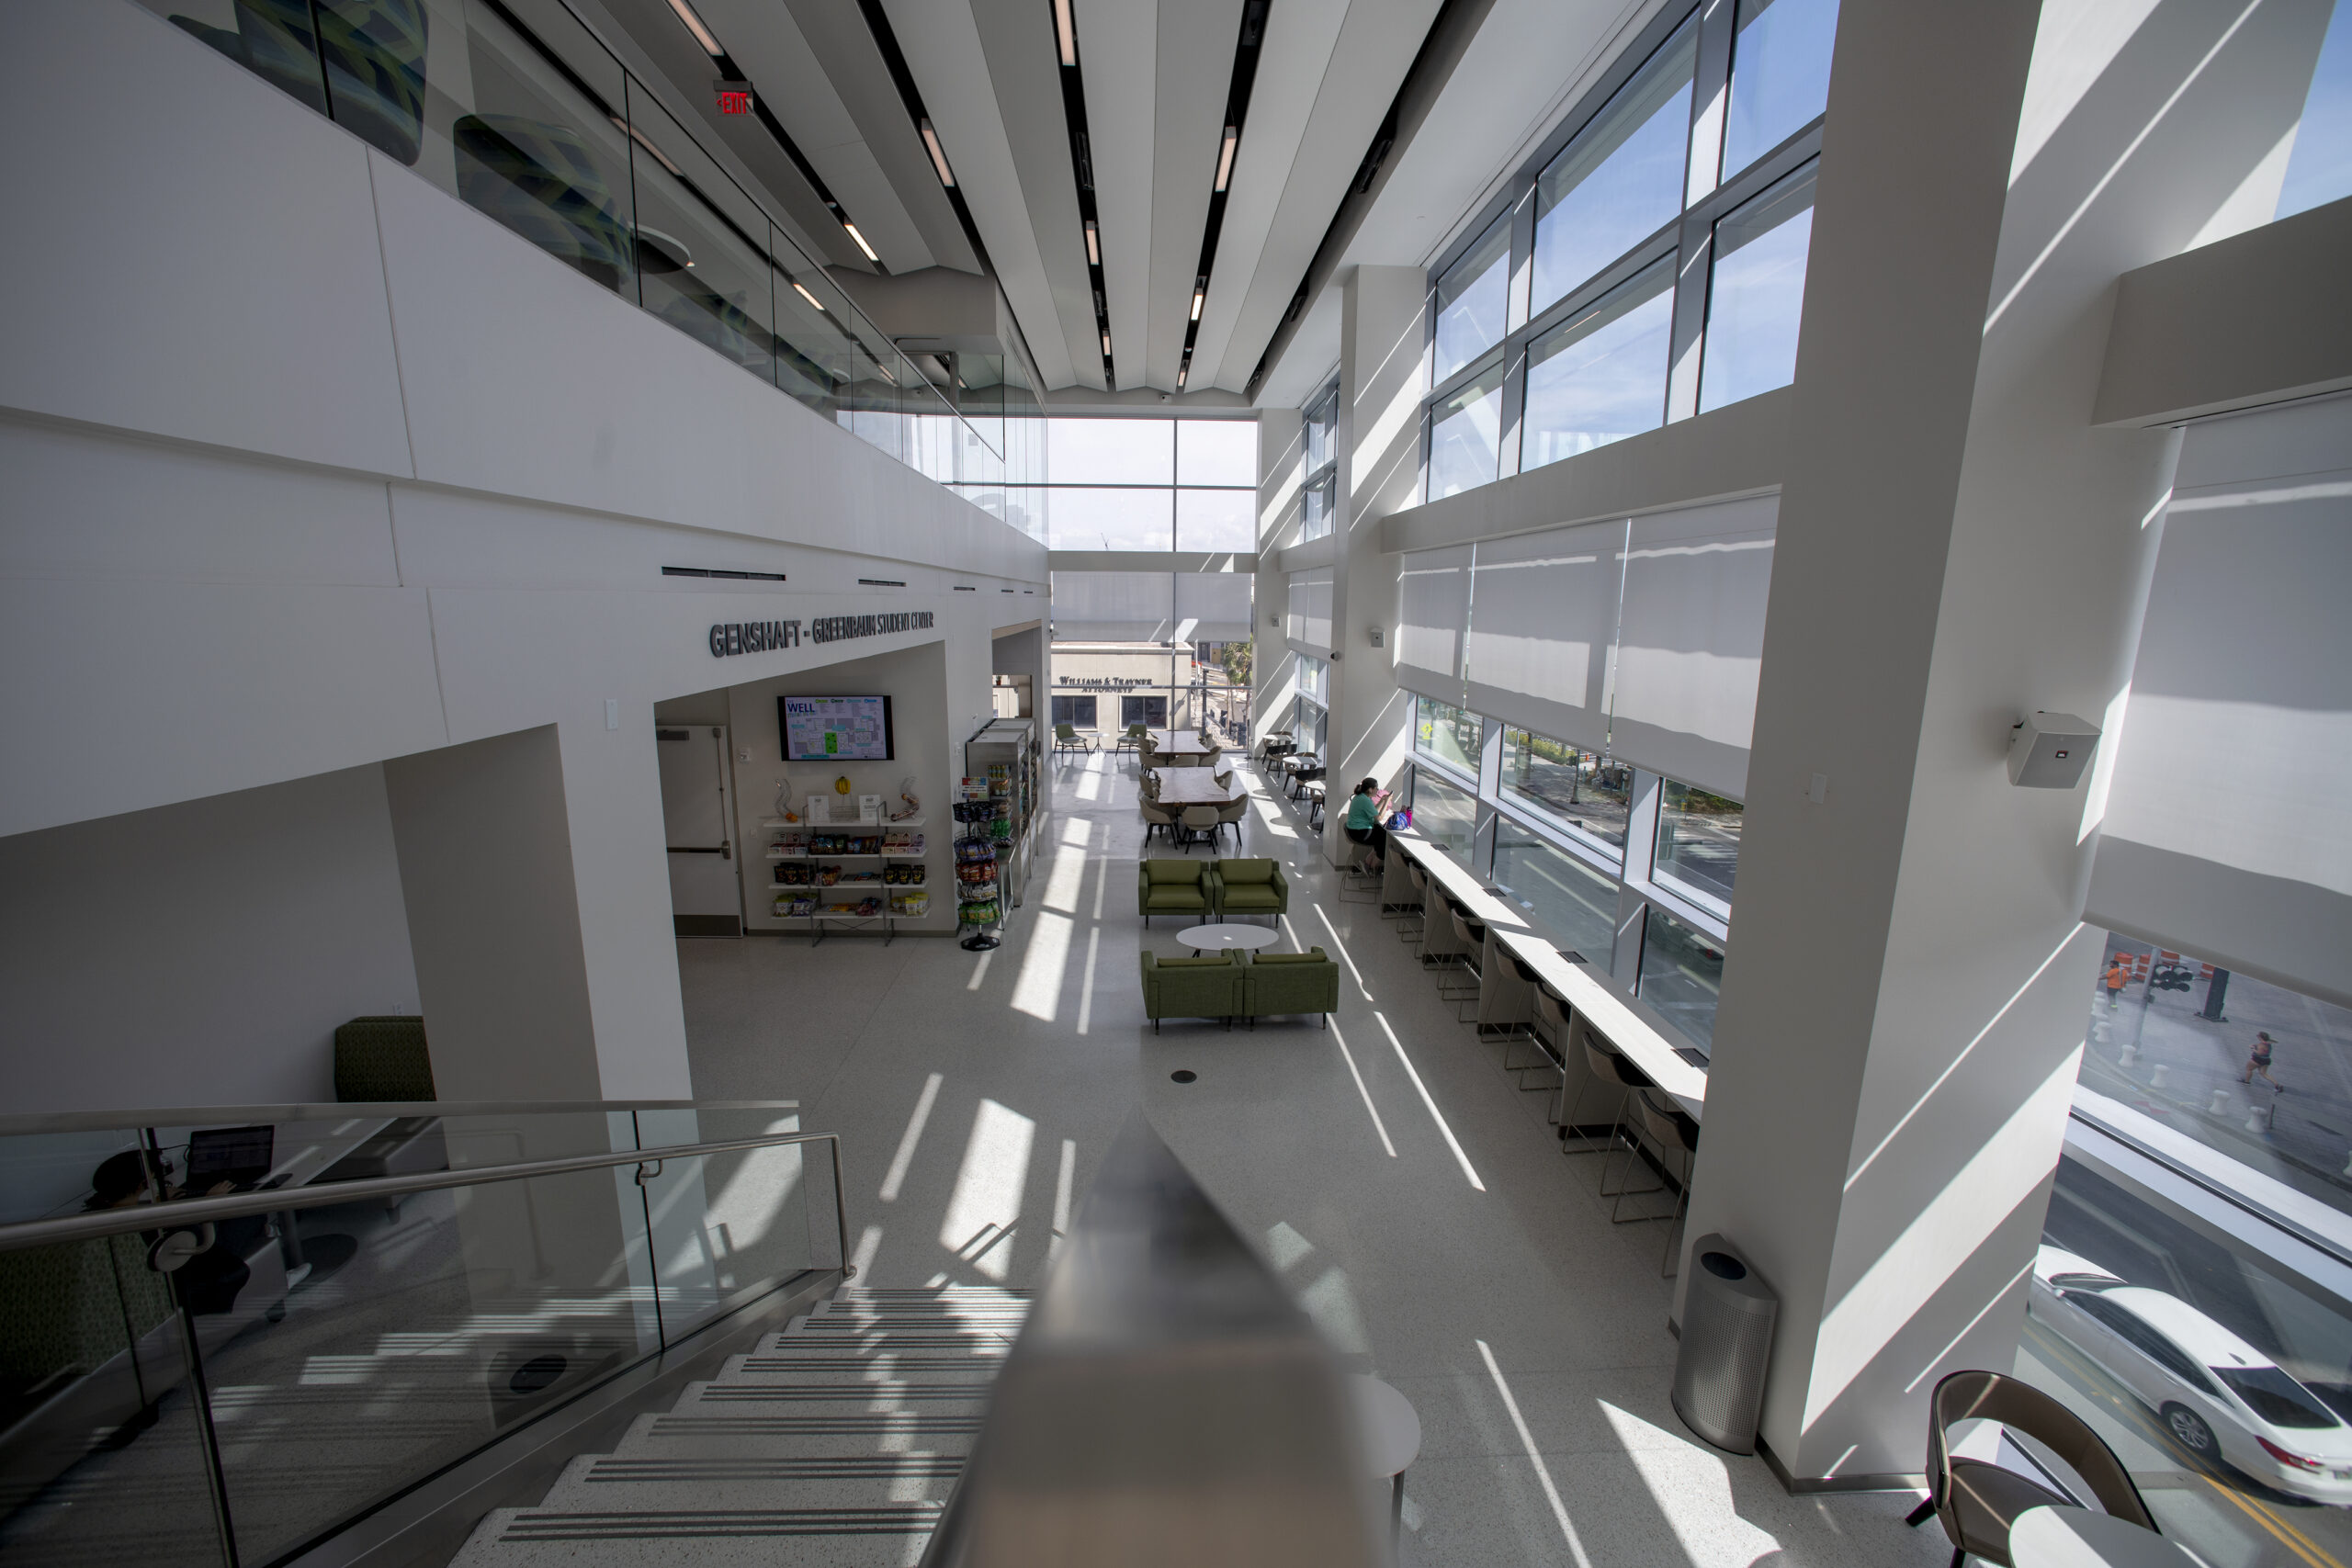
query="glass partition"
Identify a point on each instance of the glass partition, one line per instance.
(1698, 845)
(1444, 814)
(1681, 975)
(1449, 734)
(1577, 902)
(1580, 788)
(331, 1354)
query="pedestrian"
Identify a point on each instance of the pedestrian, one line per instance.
(2119, 975)
(2259, 1060)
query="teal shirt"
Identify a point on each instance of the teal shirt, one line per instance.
(1362, 812)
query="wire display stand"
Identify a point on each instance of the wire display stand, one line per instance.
(980, 905)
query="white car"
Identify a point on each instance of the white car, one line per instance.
(2218, 1395)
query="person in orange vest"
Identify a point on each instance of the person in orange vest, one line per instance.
(2119, 975)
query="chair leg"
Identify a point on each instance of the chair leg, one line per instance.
(1959, 1556)
(1922, 1513)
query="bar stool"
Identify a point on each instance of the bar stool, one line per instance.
(1472, 935)
(1519, 967)
(1671, 1128)
(1609, 1067)
(1359, 884)
(1552, 1013)
(1419, 906)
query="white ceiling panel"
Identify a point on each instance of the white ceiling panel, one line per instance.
(1374, 50)
(1300, 36)
(867, 194)
(1197, 39)
(1308, 361)
(941, 41)
(1118, 44)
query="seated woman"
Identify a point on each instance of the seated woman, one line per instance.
(1366, 811)
(207, 1282)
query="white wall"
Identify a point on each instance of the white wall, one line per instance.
(203, 953)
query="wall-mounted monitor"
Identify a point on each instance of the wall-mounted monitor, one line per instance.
(835, 730)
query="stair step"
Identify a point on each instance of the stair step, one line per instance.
(871, 1398)
(879, 1377)
(802, 1434)
(883, 1535)
(607, 1483)
(792, 1341)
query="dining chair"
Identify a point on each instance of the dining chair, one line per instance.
(1231, 815)
(1199, 819)
(1672, 1129)
(1977, 1501)
(1609, 1066)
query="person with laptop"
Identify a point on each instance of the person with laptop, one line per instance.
(1367, 811)
(210, 1281)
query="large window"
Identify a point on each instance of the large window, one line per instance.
(1443, 813)
(1151, 484)
(1698, 845)
(1448, 734)
(1576, 787)
(1076, 711)
(1578, 903)
(1318, 500)
(1150, 710)
(1650, 255)
(1682, 974)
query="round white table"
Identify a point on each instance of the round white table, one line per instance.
(1391, 1428)
(1201, 937)
(2080, 1537)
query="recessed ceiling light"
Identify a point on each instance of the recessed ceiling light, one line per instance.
(1093, 246)
(1179, 377)
(1198, 296)
(938, 155)
(802, 290)
(860, 241)
(1064, 32)
(1106, 345)
(1225, 154)
(694, 25)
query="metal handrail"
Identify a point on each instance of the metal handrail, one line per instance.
(346, 1110)
(182, 1213)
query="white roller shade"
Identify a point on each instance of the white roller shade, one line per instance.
(1306, 619)
(1689, 641)
(1114, 606)
(1218, 600)
(2225, 832)
(1432, 608)
(1544, 630)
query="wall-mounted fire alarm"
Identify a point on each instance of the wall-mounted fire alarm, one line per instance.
(1377, 634)
(2050, 750)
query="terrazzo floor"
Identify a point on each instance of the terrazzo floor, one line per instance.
(1411, 1196)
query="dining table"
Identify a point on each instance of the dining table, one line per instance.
(1180, 743)
(1196, 786)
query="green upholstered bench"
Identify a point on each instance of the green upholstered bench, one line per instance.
(1175, 887)
(1251, 887)
(1290, 982)
(380, 1058)
(1191, 988)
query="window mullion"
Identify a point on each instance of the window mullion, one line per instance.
(1709, 102)
(1693, 264)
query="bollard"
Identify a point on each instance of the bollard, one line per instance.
(2221, 1102)
(2130, 1055)
(2157, 1078)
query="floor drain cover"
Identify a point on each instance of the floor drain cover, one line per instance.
(1184, 1074)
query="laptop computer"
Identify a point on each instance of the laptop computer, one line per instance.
(239, 1156)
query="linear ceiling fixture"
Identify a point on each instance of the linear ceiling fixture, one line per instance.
(802, 290)
(860, 241)
(1236, 111)
(703, 35)
(1082, 159)
(938, 155)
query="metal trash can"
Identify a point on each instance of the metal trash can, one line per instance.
(1727, 1318)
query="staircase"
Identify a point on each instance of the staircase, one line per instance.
(837, 1442)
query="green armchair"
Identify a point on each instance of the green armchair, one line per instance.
(382, 1057)
(1185, 887)
(1250, 887)
(1191, 988)
(1290, 982)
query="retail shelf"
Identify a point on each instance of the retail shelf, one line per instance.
(775, 822)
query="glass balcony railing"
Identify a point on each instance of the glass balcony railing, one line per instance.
(231, 1392)
(516, 108)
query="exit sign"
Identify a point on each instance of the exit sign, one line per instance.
(734, 97)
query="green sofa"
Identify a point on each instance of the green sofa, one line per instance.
(1186, 888)
(1192, 987)
(381, 1057)
(1250, 887)
(1290, 982)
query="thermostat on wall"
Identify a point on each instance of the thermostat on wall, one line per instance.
(2050, 750)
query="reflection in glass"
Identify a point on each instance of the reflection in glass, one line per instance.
(1315, 678)
(1577, 903)
(1779, 75)
(1444, 814)
(1578, 787)
(1310, 725)
(1110, 451)
(1465, 433)
(1084, 519)
(1698, 844)
(1602, 376)
(1682, 974)
(1317, 505)
(1322, 422)
(1447, 733)
(2210, 1358)
(2178, 1043)
(2320, 168)
(1216, 520)
(1217, 452)
(698, 266)
(1756, 300)
(1471, 301)
(1621, 179)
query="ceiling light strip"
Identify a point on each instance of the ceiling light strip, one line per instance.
(1083, 173)
(1236, 111)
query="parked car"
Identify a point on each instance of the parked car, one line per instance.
(2218, 1396)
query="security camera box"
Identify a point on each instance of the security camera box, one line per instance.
(2050, 750)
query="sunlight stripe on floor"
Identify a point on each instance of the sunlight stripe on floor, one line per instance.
(1377, 1125)
(1527, 1442)
(1435, 1114)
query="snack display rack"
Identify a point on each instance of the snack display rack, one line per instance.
(980, 905)
(849, 874)
(1001, 759)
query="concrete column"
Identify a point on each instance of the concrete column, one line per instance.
(1381, 359)
(1281, 466)
(1903, 1004)
(542, 972)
